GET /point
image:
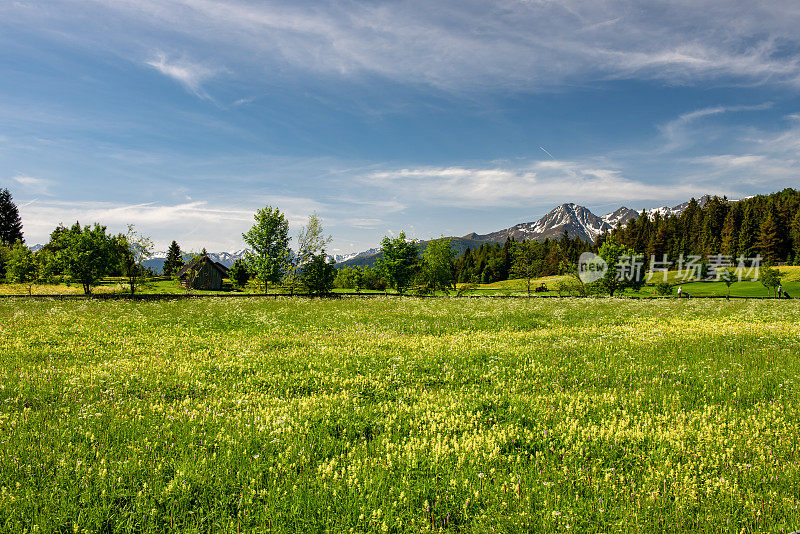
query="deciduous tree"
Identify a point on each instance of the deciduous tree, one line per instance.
(87, 253)
(316, 273)
(133, 248)
(621, 273)
(399, 261)
(268, 240)
(438, 265)
(769, 278)
(524, 263)
(21, 265)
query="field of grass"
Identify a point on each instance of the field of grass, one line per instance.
(515, 287)
(481, 415)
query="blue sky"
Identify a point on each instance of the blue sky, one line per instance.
(432, 117)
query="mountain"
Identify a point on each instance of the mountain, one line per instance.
(676, 210)
(619, 217)
(578, 222)
(156, 260)
(339, 258)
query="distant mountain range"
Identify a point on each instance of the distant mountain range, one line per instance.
(156, 260)
(578, 221)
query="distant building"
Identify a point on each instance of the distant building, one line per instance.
(203, 273)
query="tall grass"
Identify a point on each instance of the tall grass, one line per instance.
(399, 415)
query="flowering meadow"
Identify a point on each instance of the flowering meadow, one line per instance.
(399, 415)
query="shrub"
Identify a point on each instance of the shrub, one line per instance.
(663, 288)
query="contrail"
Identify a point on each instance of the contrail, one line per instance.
(546, 152)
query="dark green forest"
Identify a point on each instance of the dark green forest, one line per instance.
(765, 225)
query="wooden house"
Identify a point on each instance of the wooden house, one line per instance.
(203, 273)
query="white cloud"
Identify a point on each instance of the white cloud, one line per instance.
(541, 183)
(457, 45)
(679, 131)
(729, 161)
(755, 161)
(36, 186)
(190, 75)
(194, 224)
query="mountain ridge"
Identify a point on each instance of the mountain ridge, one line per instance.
(578, 222)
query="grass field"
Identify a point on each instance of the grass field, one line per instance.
(515, 287)
(299, 415)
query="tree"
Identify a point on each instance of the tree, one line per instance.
(768, 240)
(769, 278)
(133, 248)
(526, 261)
(621, 273)
(728, 276)
(399, 261)
(86, 253)
(174, 260)
(748, 233)
(371, 278)
(5, 253)
(311, 240)
(316, 274)
(22, 266)
(438, 265)
(238, 273)
(194, 266)
(795, 236)
(730, 235)
(268, 240)
(291, 276)
(571, 270)
(349, 278)
(10, 223)
(663, 288)
(48, 265)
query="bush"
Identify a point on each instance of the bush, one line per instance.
(317, 275)
(239, 274)
(663, 288)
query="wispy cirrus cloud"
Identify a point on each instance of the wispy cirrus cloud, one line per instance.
(678, 131)
(189, 74)
(194, 224)
(541, 183)
(462, 45)
(34, 185)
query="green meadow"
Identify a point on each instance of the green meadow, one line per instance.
(399, 415)
(515, 287)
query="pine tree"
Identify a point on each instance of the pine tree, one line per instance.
(795, 236)
(10, 223)
(174, 260)
(768, 240)
(658, 245)
(715, 212)
(748, 233)
(730, 235)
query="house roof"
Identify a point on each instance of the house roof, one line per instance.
(203, 259)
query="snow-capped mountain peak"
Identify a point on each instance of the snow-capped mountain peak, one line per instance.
(619, 216)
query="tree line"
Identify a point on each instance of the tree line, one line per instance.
(765, 225)
(768, 225)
